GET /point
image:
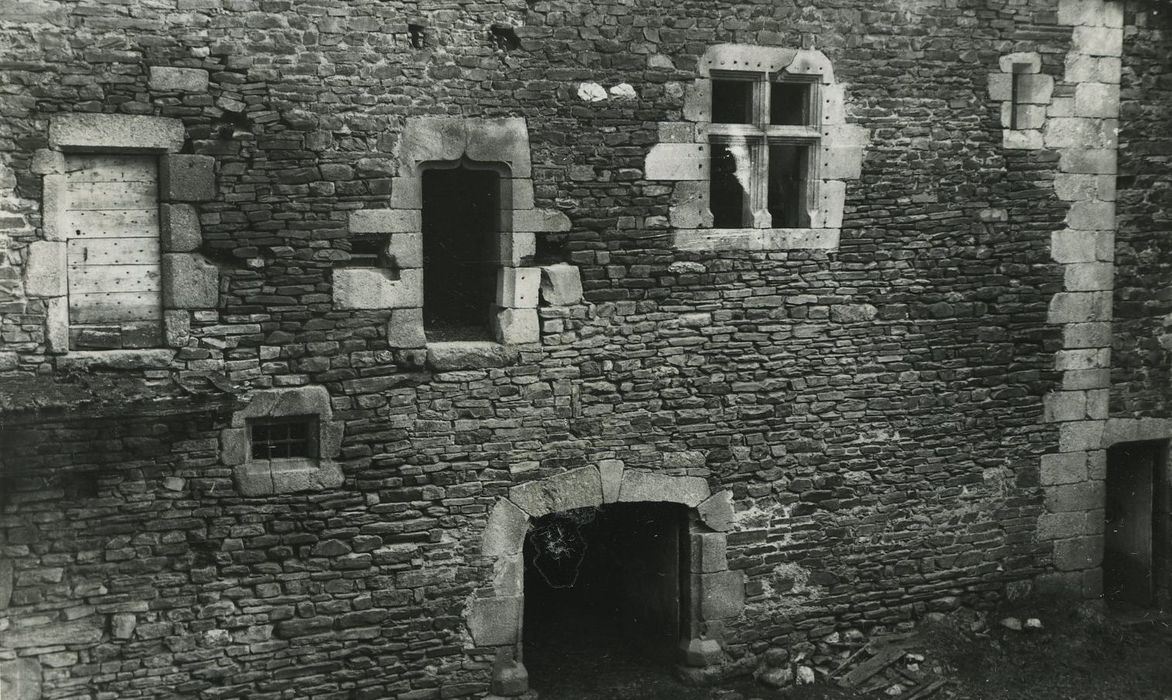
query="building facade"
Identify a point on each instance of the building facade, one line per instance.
(330, 330)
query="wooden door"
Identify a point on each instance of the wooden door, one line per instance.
(112, 250)
(1128, 551)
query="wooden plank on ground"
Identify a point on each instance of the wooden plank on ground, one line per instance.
(927, 690)
(882, 659)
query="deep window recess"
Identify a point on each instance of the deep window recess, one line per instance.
(461, 212)
(112, 251)
(368, 250)
(1016, 116)
(762, 135)
(283, 438)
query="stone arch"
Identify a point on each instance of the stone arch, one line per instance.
(716, 593)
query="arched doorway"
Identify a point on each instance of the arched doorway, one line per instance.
(706, 591)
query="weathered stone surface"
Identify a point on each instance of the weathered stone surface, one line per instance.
(505, 532)
(179, 228)
(495, 621)
(405, 329)
(578, 488)
(122, 625)
(385, 221)
(709, 552)
(168, 78)
(561, 285)
(510, 679)
(85, 631)
(518, 287)
(677, 161)
(460, 355)
(20, 679)
(611, 473)
(700, 653)
(115, 132)
(45, 270)
(722, 594)
(191, 282)
(540, 220)
(187, 178)
(717, 511)
(517, 326)
(639, 485)
(372, 288)
(6, 582)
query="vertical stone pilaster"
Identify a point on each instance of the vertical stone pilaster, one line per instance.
(1082, 128)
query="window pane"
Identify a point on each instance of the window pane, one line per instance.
(732, 101)
(789, 103)
(281, 439)
(787, 165)
(728, 201)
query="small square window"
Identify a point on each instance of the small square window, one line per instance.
(284, 438)
(368, 251)
(732, 101)
(789, 104)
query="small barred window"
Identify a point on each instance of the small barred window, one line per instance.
(283, 439)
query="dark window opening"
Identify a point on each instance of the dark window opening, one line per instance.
(460, 212)
(282, 438)
(416, 34)
(1136, 511)
(785, 184)
(602, 597)
(80, 485)
(789, 103)
(369, 251)
(732, 101)
(504, 37)
(1015, 108)
(727, 197)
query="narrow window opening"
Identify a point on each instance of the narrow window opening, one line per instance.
(460, 224)
(417, 35)
(789, 103)
(504, 37)
(732, 101)
(283, 438)
(787, 162)
(728, 200)
(1016, 115)
(369, 251)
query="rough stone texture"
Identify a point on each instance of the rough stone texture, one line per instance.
(116, 132)
(179, 228)
(45, 270)
(20, 679)
(835, 438)
(191, 282)
(372, 288)
(722, 594)
(166, 78)
(648, 486)
(495, 621)
(579, 488)
(561, 285)
(505, 533)
(187, 178)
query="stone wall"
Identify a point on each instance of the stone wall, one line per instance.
(875, 408)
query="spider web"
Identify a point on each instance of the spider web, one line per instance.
(559, 547)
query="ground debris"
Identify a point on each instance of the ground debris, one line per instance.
(886, 666)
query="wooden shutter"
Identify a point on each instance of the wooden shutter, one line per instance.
(112, 239)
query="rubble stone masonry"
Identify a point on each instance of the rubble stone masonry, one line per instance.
(902, 409)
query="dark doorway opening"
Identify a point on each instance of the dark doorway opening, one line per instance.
(461, 211)
(1137, 527)
(602, 597)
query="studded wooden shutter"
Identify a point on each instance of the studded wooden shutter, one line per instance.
(112, 234)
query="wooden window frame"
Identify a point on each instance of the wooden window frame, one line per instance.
(760, 134)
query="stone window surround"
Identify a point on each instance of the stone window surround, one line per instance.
(189, 282)
(427, 142)
(682, 154)
(263, 477)
(717, 593)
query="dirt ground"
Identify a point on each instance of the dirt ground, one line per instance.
(1081, 653)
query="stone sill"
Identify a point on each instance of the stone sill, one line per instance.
(765, 239)
(117, 359)
(267, 477)
(459, 355)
